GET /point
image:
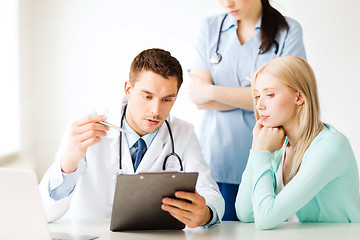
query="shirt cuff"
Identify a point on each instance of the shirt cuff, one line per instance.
(65, 188)
(214, 220)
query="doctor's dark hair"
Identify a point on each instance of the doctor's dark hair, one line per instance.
(272, 23)
(157, 61)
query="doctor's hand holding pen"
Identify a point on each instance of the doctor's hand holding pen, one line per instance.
(194, 212)
(83, 133)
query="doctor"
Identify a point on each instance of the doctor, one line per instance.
(80, 184)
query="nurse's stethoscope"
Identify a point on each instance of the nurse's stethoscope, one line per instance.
(167, 156)
(216, 58)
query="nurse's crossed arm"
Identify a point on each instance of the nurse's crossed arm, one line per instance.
(206, 95)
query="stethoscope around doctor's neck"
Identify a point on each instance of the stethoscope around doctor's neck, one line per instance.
(172, 153)
(216, 58)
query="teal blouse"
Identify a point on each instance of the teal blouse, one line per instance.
(325, 189)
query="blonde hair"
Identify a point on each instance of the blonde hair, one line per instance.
(295, 73)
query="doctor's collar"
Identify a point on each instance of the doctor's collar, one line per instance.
(133, 137)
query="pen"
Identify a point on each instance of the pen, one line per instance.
(115, 127)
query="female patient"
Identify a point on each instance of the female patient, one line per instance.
(299, 168)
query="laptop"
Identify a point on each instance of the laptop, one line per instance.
(21, 211)
(22, 215)
(138, 199)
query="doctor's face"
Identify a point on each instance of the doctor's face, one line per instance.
(276, 104)
(151, 98)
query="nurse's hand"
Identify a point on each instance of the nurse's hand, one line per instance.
(84, 133)
(193, 214)
(199, 89)
(267, 139)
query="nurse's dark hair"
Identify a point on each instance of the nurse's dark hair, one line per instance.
(157, 61)
(272, 23)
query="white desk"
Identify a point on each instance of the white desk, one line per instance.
(226, 231)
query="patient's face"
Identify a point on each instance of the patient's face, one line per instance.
(275, 102)
(150, 101)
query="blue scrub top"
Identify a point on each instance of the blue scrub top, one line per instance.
(226, 136)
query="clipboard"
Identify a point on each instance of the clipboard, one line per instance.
(137, 200)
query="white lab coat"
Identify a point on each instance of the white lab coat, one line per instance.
(95, 185)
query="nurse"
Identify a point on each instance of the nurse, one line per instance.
(230, 48)
(80, 183)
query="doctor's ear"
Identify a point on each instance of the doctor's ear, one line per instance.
(299, 99)
(127, 88)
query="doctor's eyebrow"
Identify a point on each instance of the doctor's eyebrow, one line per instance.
(168, 96)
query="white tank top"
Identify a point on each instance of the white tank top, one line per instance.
(280, 186)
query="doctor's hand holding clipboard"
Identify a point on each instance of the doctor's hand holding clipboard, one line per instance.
(192, 212)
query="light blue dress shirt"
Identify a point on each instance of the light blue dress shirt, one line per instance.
(132, 138)
(226, 136)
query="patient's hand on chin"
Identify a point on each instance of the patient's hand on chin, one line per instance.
(267, 138)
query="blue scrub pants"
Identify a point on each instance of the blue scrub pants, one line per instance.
(229, 192)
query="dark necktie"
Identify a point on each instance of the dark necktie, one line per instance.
(141, 148)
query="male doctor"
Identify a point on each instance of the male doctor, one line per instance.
(81, 182)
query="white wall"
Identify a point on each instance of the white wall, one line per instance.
(331, 37)
(75, 55)
(9, 79)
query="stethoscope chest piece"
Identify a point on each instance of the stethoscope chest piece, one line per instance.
(215, 59)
